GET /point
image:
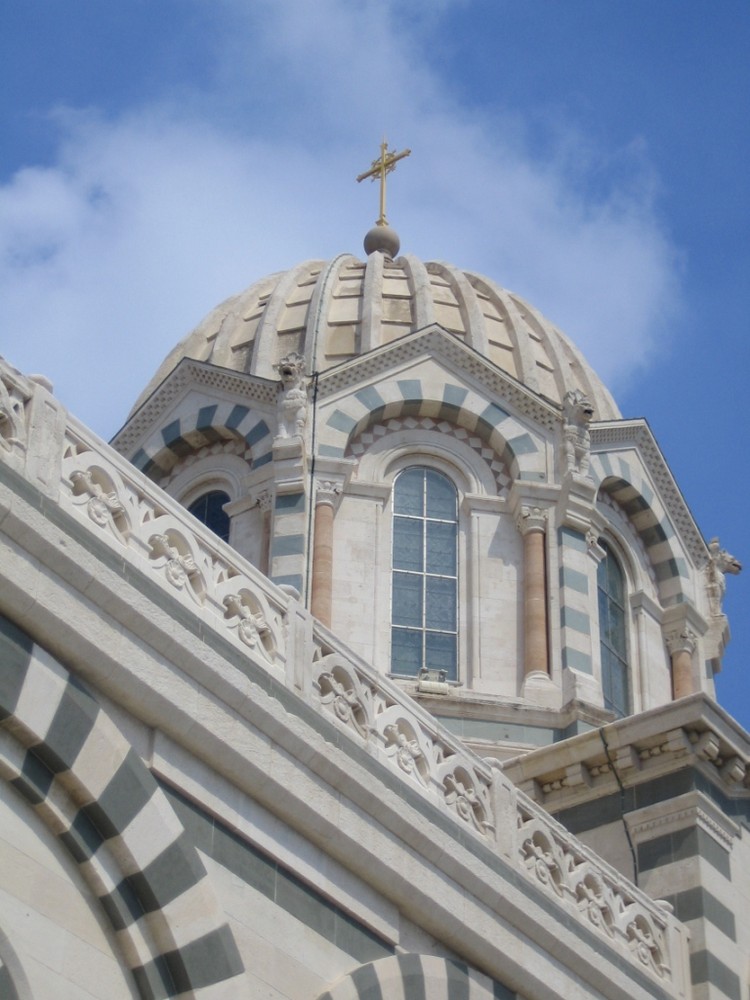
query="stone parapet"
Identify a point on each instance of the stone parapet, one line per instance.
(149, 543)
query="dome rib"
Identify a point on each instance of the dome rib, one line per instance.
(319, 312)
(419, 282)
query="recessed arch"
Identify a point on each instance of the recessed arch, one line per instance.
(413, 976)
(214, 423)
(448, 404)
(652, 527)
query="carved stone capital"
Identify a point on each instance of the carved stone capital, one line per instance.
(531, 519)
(681, 640)
(327, 491)
(264, 500)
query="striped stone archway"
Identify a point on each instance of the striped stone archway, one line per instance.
(417, 977)
(210, 424)
(651, 524)
(452, 403)
(72, 765)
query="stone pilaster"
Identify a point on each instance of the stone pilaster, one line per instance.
(321, 601)
(532, 524)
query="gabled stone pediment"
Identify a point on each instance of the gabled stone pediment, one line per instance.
(610, 436)
(446, 350)
(195, 378)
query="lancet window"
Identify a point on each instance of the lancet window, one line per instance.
(424, 594)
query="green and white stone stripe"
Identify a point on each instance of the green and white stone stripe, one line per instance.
(454, 404)
(624, 484)
(287, 557)
(69, 761)
(211, 424)
(575, 602)
(417, 977)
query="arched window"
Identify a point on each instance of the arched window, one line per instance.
(424, 596)
(613, 633)
(209, 509)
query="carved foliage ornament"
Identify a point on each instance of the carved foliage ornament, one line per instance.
(15, 392)
(245, 612)
(562, 869)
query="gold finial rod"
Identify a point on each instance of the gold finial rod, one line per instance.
(385, 163)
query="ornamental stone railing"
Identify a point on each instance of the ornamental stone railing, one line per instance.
(128, 513)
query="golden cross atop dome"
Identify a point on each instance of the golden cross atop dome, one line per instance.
(384, 164)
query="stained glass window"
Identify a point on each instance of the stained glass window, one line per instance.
(210, 510)
(613, 634)
(424, 595)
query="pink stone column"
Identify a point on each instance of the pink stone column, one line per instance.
(681, 646)
(532, 524)
(321, 601)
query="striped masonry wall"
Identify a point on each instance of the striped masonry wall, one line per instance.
(516, 448)
(576, 602)
(217, 422)
(639, 502)
(288, 533)
(417, 977)
(73, 766)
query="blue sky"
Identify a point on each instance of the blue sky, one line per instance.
(591, 155)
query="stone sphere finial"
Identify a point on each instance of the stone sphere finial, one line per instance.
(384, 239)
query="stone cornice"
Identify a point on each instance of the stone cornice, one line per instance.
(637, 434)
(693, 731)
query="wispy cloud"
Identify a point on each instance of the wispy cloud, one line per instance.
(143, 222)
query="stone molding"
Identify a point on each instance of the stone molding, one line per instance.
(683, 812)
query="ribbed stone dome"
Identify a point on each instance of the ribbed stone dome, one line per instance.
(333, 311)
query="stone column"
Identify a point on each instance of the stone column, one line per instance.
(681, 645)
(532, 523)
(321, 601)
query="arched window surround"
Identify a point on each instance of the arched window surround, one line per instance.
(424, 573)
(615, 643)
(430, 454)
(490, 556)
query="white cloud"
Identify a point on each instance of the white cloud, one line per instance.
(112, 253)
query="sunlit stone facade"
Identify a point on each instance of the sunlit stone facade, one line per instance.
(313, 747)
